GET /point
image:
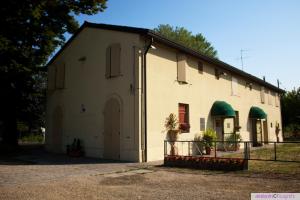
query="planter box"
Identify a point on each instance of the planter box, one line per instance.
(208, 163)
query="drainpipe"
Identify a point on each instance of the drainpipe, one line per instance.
(144, 104)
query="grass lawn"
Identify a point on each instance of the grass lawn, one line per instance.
(284, 152)
(274, 167)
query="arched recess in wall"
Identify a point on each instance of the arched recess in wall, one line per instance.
(112, 128)
(57, 129)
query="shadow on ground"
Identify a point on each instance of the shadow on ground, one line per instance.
(30, 154)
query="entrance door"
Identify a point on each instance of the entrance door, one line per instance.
(112, 130)
(256, 132)
(219, 129)
(266, 136)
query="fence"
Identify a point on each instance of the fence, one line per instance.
(265, 151)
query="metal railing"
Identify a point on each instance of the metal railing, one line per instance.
(265, 151)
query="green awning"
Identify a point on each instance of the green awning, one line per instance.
(257, 113)
(222, 109)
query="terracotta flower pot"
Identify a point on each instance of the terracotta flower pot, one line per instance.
(207, 150)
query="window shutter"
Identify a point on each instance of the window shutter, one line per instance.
(276, 100)
(182, 113)
(217, 74)
(234, 86)
(262, 94)
(115, 60)
(60, 76)
(200, 67)
(181, 68)
(108, 55)
(270, 100)
(51, 77)
(237, 119)
(184, 124)
(202, 124)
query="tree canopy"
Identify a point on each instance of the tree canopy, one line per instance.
(30, 31)
(181, 35)
(290, 102)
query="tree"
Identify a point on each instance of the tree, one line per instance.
(290, 105)
(185, 37)
(30, 31)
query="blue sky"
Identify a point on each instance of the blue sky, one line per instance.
(269, 30)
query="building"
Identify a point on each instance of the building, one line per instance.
(113, 87)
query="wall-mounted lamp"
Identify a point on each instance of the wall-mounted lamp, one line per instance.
(82, 59)
(82, 109)
(223, 73)
(152, 47)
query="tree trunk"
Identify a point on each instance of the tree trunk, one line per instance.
(8, 116)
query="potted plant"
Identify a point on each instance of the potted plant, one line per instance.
(208, 137)
(184, 127)
(171, 125)
(75, 149)
(232, 142)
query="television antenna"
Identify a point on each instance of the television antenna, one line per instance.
(242, 57)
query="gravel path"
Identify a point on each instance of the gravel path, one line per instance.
(49, 176)
(160, 184)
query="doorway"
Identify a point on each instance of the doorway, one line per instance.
(256, 132)
(266, 134)
(219, 129)
(220, 133)
(112, 130)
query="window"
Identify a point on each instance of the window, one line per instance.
(228, 125)
(234, 86)
(217, 74)
(272, 97)
(56, 76)
(60, 76)
(113, 57)
(181, 68)
(276, 100)
(184, 124)
(200, 67)
(202, 124)
(262, 94)
(269, 97)
(237, 121)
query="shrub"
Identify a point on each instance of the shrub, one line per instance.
(32, 138)
(209, 136)
(171, 125)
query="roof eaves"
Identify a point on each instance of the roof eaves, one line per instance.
(164, 40)
(217, 62)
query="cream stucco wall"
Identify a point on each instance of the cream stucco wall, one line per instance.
(86, 86)
(202, 90)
